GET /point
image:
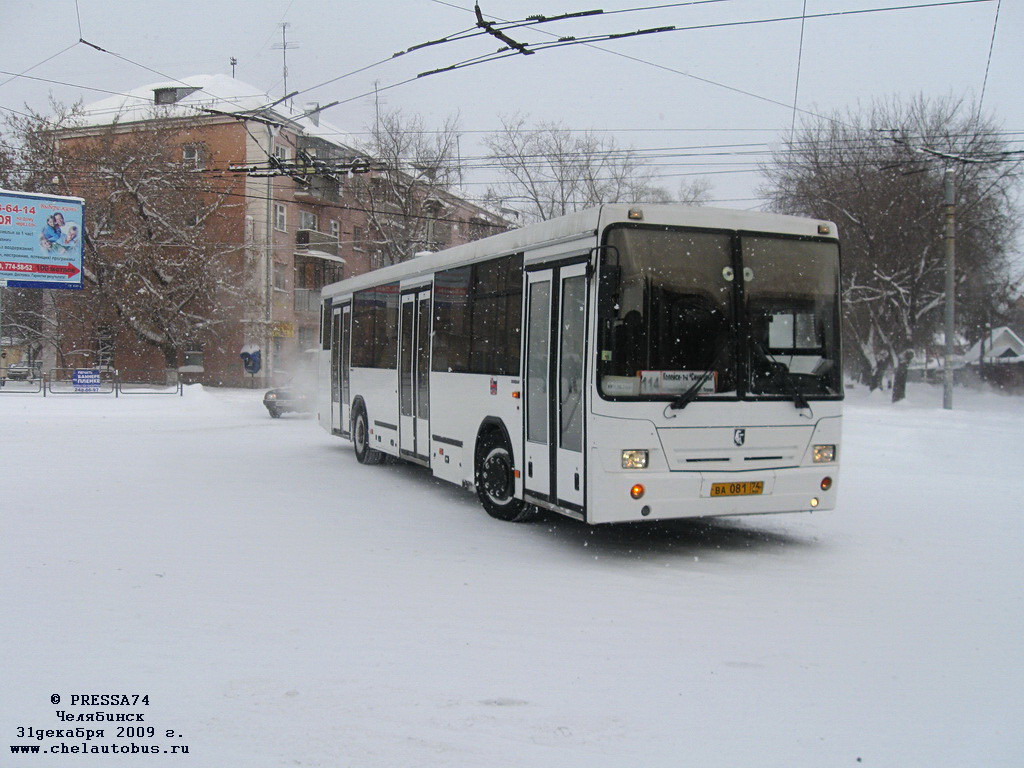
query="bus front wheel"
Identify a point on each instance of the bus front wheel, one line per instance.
(361, 440)
(495, 481)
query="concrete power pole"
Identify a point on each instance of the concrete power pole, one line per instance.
(950, 308)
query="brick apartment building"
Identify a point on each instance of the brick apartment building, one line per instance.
(293, 231)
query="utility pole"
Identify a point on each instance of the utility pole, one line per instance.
(376, 109)
(234, 63)
(950, 243)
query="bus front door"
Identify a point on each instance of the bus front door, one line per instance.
(339, 367)
(414, 375)
(555, 355)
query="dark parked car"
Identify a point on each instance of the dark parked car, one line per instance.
(287, 399)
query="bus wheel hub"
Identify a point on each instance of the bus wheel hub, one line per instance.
(496, 477)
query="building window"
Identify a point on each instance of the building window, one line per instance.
(194, 361)
(280, 217)
(280, 276)
(358, 238)
(307, 338)
(335, 229)
(308, 220)
(440, 235)
(282, 152)
(194, 155)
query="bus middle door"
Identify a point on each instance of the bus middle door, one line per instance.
(414, 375)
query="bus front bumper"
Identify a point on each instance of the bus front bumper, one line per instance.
(671, 495)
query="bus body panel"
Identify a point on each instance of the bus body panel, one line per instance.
(460, 404)
(378, 390)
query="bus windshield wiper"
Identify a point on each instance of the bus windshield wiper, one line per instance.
(780, 372)
(693, 390)
(691, 393)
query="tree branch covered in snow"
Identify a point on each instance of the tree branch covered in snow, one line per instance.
(406, 202)
(865, 170)
(550, 171)
(157, 262)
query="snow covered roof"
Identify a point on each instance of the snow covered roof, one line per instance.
(1001, 346)
(190, 96)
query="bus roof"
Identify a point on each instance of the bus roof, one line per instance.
(580, 226)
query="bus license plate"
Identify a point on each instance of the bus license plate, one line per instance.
(746, 488)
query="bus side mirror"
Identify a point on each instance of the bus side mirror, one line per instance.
(609, 281)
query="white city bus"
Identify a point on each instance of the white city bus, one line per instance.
(620, 363)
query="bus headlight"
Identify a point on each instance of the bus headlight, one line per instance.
(824, 454)
(636, 459)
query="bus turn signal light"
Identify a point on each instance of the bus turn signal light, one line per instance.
(637, 491)
(826, 483)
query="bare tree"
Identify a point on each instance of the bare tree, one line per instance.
(405, 195)
(879, 174)
(550, 171)
(158, 263)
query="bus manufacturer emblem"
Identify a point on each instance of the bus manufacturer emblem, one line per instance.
(739, 436)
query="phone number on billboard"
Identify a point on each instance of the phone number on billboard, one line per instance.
(18, 208)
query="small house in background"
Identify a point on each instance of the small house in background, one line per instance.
(998, 359)
(1001, 347)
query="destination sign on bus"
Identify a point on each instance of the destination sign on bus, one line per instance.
(41, 240)
(676, 382)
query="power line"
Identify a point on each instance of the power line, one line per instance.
(570, 41)
(799, 62)
(988, 62)
(14, 76)
(590, 40)
(672, 70)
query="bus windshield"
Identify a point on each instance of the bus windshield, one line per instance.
(697, 314)
(790, 297)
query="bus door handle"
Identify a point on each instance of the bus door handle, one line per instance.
(529, 469)
(576, 479)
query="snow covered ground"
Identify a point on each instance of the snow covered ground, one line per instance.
(282, 605)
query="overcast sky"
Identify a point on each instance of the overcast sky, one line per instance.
(635, 87)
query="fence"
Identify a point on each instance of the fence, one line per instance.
(80, 381)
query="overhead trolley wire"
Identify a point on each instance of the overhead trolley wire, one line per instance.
(988, 61)
(568, 41)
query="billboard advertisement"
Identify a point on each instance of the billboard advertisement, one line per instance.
(41, 240)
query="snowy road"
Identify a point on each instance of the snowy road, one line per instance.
(282, 605)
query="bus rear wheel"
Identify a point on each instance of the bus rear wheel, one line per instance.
(361, 439)
(495, 481)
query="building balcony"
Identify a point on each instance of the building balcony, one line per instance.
(309, 242)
